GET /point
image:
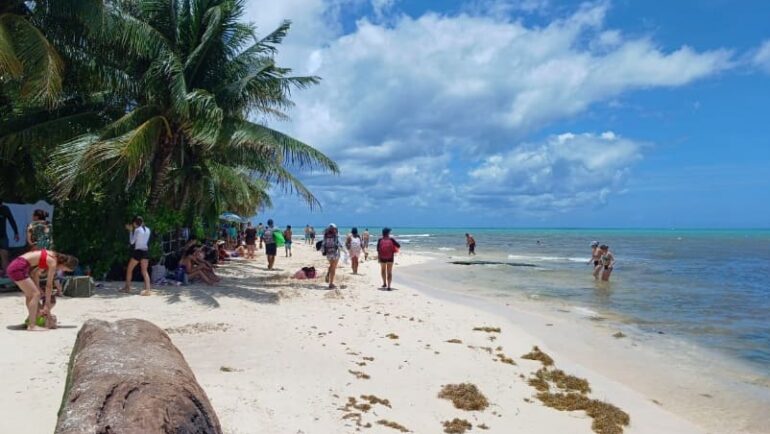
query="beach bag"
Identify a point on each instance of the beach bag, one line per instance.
(278, 237)
(318, 246)
(386, 248)
(79, 286)
(158, 273)
(330, 245)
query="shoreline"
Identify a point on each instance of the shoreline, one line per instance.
(283, 356)
(707, 397)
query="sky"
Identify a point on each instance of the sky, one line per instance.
(529, 113)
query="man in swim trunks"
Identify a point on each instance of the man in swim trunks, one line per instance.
(6, 215)
(596, 255)
(471, 243)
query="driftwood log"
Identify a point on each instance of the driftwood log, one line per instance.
(127, 377)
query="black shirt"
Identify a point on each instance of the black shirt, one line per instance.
(5, 214)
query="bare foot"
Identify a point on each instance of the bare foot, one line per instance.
(125, 290)
(35, 328)
(145, 292)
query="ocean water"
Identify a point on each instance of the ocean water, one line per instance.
(708, 287)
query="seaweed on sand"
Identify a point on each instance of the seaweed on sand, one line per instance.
(465, 396)
(607, 418)
(537, 354)
(487, 329)
(455, 341)
(456, 426)
(376, 400)
(359, 374)
(391, 424)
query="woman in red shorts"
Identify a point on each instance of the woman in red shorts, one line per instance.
(33, 263)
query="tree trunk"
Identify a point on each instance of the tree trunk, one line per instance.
(161, 165)
(127, 377)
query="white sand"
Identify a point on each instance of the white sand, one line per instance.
(291, 344)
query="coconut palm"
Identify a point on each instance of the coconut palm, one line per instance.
(199, 78)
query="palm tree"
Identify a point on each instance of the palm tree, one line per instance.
(186, 139)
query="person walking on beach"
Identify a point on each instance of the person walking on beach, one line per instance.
(354, 244)
(251, 241)
(140, 239)
(25, 273)
(260, 233)
(596, 256)
(6, 216)
(39, 233)
(608, 262)
(365, 243)
(471, 243)
(287, 240)
(330, 247)
(307, 234)
(312, 235)
(386, 254)
(271, 248)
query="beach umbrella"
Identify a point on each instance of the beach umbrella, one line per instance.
(231, 217)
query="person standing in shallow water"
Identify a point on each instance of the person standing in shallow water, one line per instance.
(386, 255)
(471, 243)
(596, 256)
(607, 262)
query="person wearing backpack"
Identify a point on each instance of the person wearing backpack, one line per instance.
(271, 247)
(354, 245)
(330, 247)
(386, 253)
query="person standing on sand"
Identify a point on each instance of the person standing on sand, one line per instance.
(287, 240)
(608, 262)
(6, 215)
(312, 235)
(365, 243)
(307, 234)
(354, 245)
(596, 255)
(39, 234)
(40, 260)
(260, 233)
(271, 248)
(330, 247)
(251, 241)
(140, 238)
(386, 254)
(471, 243)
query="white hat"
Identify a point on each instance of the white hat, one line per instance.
(332, 225)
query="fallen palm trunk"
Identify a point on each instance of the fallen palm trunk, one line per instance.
(128, 377)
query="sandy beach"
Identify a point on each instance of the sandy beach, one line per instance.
(277, 355)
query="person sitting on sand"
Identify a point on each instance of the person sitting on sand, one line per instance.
(240, 252)
(330, 247)
(222, 252)
(471, 243)
(386, 253)
(608, 262)
(193, 269)
(354, 245)
(39, 233)
(28, 266)
(596, 255)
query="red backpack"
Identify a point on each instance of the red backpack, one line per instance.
(386, 249)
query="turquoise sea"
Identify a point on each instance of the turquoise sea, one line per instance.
(709, 287)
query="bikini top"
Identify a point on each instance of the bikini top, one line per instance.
(43, 263)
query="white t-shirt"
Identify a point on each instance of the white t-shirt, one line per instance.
(140, 237)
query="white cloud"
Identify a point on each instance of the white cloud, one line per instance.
(406, 105)
(561, 173)
(761, 58)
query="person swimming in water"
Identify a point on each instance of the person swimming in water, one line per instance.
(596, 256)
(607, 262)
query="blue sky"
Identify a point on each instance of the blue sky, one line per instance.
(530, 113)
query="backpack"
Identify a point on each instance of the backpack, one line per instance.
(330, 245)
(386, 249)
